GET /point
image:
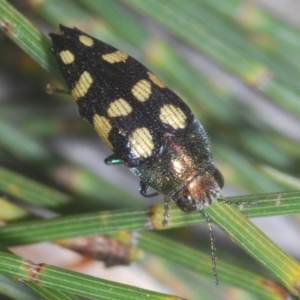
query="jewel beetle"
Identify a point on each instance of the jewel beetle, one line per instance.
(146, 125)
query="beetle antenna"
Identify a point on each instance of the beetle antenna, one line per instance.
(212, 248)
(247, 203)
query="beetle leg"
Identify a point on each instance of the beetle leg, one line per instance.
(113, 160)
(144, 188)
(166, 211)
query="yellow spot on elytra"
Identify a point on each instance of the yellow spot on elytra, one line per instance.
(156, 80)
(103, 128)
(67, 57)
(85, 40)
(172, 116)
(141, 142)
(82, 85)
(119, 108)
(115, 57)
(142, 90)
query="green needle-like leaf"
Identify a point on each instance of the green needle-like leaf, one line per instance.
(24, 34)
(252, 240)
(74, 283)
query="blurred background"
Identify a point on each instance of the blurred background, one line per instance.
(237, 65)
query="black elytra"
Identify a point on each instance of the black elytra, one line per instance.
(146, 125)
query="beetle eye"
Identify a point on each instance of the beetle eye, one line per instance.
(219, 178)
(186, 203)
